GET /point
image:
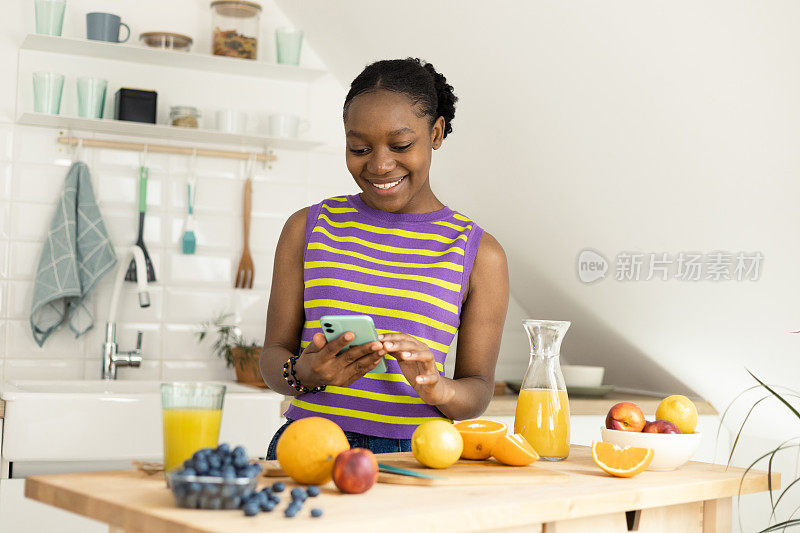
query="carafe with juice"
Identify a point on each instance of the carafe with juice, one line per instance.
(542, 415)
(191, 415)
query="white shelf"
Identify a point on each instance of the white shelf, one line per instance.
(168, 58)
(159, 131)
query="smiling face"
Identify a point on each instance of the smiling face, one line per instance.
(389, 152)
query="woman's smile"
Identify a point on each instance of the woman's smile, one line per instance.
(385, 187)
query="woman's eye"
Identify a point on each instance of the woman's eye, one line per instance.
(401, 148)
(360, 151)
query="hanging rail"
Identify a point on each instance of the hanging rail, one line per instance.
(69, 140)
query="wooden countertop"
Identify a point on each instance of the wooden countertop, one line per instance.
(137, 502)
(505, 404)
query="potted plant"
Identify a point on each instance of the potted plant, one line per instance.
(788, 398)
(237, 352)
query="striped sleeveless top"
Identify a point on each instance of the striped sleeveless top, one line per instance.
(408, 272)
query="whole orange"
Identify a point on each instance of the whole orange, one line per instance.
(308, 447)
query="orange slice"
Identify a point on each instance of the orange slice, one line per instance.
(514, 450)
(621, 462)
(480, 436)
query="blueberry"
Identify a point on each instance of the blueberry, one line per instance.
(316, 512)
(224, 448)
(255, 468)
(278, 486)
(189, 472)
(214, 472)
(263, 497)
(231, 503)
(214, 461)
(239, 451)
(227, 460)
(210, 489)
(252, 509)
(268, 507)
(214, 504)
(228, 472)
(193, 487)
(240, 461)
(313, 491)
(291, 511)
(274, 499)
(201, 466)
(179, 489)
(245, 492)
(188, 463)
(299, 494)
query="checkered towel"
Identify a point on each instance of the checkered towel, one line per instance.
(76, 254)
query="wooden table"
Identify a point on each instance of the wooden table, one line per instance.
(694, 498)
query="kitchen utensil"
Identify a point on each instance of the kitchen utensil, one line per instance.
(463, 472)
(50, 16)
(671, 449)
(166, 40)
(105, 27)
(191, 414)
(542, 414)
(288, 43)
(91, 97)
(151, 273)
(47, 89)
(404, 472)
(236, 27)
(135, 105)
(189, 241)
(590, 392)
(287, 126)
(245, 272)
(582, 375)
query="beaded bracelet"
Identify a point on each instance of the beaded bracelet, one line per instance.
(293, 381)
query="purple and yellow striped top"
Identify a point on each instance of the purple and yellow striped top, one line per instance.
(408, 272)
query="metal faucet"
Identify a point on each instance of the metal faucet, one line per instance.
(112, 357)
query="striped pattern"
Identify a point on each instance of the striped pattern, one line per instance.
(407, 271)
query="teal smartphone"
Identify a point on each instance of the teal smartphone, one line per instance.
(362, 327)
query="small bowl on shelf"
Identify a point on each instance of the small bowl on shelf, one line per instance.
(166, 40)
(583, 375)
(669, 450)
(210, 492)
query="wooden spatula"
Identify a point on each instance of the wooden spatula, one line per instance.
(245, 272)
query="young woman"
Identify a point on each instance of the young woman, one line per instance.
(422, 271)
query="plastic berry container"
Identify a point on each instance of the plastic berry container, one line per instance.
(210, 492)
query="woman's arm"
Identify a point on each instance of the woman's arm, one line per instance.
(483, 315)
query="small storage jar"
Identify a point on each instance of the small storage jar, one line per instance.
(184, 116)
(235, 26)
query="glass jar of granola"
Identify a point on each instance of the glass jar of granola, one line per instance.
(235, 25)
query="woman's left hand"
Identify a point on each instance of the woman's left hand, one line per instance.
(419, 367)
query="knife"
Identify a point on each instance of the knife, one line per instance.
(403, 472)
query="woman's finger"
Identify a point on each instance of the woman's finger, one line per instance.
(404, 345)
(427, 379)
(334, 347)
(357, 352)
(425, 356)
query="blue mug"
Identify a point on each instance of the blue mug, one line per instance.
(105, 27)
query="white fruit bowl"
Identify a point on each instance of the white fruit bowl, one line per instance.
(669, 450)
(582, 375)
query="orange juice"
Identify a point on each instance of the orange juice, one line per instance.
(542, 417)
(188, 430)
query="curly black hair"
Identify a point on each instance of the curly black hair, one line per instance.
(427, 89)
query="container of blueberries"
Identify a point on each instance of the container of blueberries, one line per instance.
(214, 478)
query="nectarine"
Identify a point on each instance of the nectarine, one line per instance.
(355, 470)
(660, 426)
(625, 416)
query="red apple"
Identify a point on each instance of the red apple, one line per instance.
(660, 426)
(355, 470)
(625, 416)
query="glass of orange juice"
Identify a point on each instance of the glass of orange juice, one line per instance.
(191, 414)
(542, 414)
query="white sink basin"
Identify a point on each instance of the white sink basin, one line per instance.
(117, 420)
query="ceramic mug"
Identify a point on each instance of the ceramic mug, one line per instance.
(230, 121)
(287, 126)
(105, 27)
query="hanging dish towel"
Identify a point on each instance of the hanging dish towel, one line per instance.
(76, 254)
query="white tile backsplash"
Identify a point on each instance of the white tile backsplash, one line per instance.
(39, 183)
(24, 259)
(195, 306)
(19, 299)
(205, 370)
(29, 221)
(55, 369)
(5, 181)
(61, 343)
(5, 260)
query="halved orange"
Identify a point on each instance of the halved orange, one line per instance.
(621, 462)
(514, 450)
(480, 436)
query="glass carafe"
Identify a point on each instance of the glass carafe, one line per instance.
(542, 415)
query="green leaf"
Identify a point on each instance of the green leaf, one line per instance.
(778, 396)
(782, 525)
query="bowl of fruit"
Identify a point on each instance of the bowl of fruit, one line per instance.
(671, 436)
(215, 478)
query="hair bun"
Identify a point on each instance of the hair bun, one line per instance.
(446, 98)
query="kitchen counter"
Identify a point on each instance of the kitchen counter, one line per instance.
(695, 498)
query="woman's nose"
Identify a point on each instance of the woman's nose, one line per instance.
(381, 162)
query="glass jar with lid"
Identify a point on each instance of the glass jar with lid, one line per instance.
(235, 25)
(184, 116)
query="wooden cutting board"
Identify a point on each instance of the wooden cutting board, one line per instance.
(464, 472)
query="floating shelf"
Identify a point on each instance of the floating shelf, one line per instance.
(168, 58)
(159, 131)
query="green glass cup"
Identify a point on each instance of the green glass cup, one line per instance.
(289, 43)
(91, 97)
(47, 89)
(50, 16)
(191, 416)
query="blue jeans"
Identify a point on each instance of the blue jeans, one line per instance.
(356, 440)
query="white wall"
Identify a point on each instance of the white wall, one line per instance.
(189, 288)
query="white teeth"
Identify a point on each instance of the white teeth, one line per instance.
(385, 186)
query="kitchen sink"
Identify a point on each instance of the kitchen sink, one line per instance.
(116, 420)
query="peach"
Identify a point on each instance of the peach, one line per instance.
(355, 470)
(625, 416)
(660, 426)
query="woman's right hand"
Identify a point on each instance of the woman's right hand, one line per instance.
(319, 365)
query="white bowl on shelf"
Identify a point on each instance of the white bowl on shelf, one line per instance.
(583, 375)
(670, 450)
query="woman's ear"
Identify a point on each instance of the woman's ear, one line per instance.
(437, 133)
